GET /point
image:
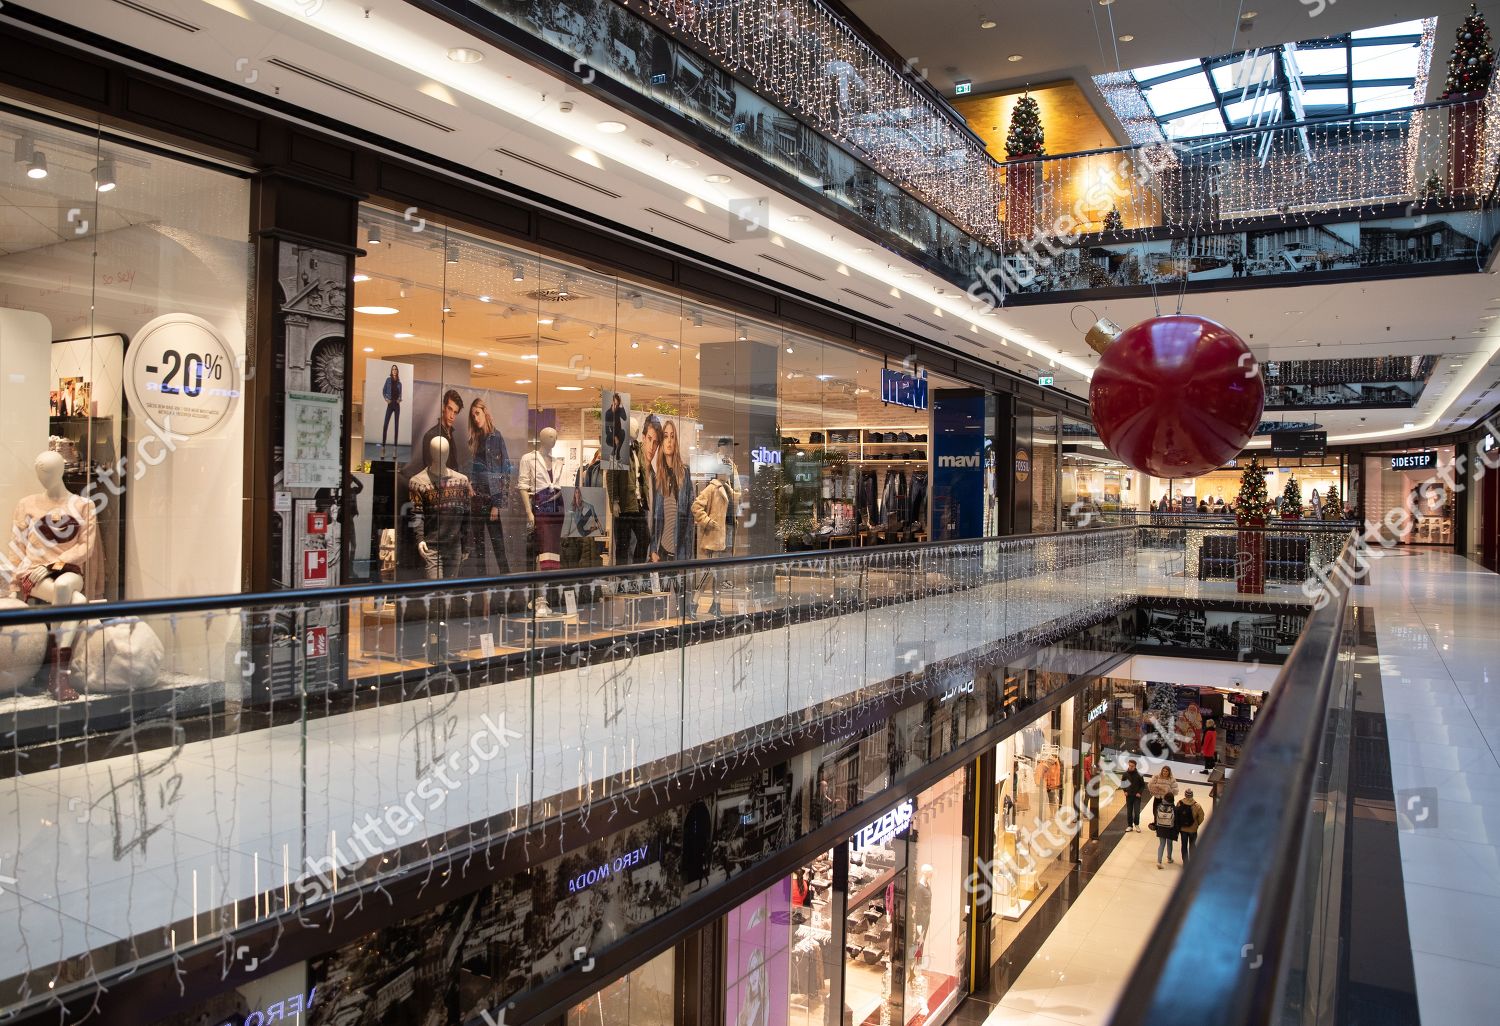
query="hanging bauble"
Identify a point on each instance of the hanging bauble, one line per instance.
(1177, 396)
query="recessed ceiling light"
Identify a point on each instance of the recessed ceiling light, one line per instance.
(479, 366)
(523, 381)
(404, 334)
(798, 218)
(912, 274)
(986, 23)
(611, 127)
(1105, 3)
(465, 55)
(483, 352)
(361, 277)
(377, 311)
(636, 374)
(484, 299)
(863, 249)
(1408, 426)
(545, 320)
(570, 388)
(716, 179)
(1248, 15)
(1127, 38)
(369, 349)
(528, 356)
(789, 350)
(682, 161)
(1014, 57)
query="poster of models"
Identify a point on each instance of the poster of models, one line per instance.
(667, 445)
(614, 430)
(758, 942)
(314, 424)
(486, 435)
(584, 510)
(387, 420)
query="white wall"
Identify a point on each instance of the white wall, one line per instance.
(1208, 673)
(24, 372)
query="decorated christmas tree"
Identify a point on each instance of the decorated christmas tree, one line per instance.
(1472, 60)
(1333, 506)
(1113, 222)
(1432, 188)
(1253, 505)
(1025, 138)
(1291, 500)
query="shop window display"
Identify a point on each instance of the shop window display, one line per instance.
(122, 331)
(1411, 481)
(517, 413)
(1034, 783)
(937, 924)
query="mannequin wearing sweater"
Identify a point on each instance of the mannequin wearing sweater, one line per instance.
(441, 502)
(53, 536)
(540, 484)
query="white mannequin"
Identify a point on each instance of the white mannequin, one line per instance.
(59, 589)
(546, 442)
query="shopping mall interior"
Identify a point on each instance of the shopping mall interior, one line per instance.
(685, 513)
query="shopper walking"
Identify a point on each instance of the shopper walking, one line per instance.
(1135, 789)
(1164, 822)
(1189, 818)
(1163, 785)
(1210, 745)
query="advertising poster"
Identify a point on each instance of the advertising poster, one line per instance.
(584, 512)
(387, 410)
(758, 958)
(614, 430)
(486, 435)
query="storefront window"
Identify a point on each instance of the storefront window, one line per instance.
(123, 281)
(937, 926)
(1411, 480)
(1034, 785)
(641, 998)
(782, 957)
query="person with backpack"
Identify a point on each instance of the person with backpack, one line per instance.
(1164, 822)
(1189, 819)
(1135, 788)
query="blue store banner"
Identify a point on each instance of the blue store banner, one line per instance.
(957, 464)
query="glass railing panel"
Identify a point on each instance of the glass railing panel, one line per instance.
(222, 763)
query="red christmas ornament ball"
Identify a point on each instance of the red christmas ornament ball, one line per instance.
(1177, 396)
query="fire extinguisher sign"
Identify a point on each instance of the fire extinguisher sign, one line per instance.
(316, 646)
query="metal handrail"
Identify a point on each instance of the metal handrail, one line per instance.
(1217, 948)
(545, 579)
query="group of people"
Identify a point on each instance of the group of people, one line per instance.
(1185, 504)
(1171, 818)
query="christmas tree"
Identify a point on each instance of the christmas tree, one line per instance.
(1432, 188)
(1291, 500)
(1472, 60)
(1025, 138)
(1113, 222)
(1253, 505)
(1333, 506)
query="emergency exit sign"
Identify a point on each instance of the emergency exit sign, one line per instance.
(1044, 379)
(963, 87)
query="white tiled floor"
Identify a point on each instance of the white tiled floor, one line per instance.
(1076, 977)
(1437, 622)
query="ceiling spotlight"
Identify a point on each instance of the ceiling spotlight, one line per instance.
(447, 309)
(528, 356)
(523, 381)
(635, 343)
(1105, 3)
(484, 299)
(365, 277)
(517, 273)
(986, 23)
(636, 374)
(743, 338)
(479, 366)
(637, 300)
(369, 349)
(404, 334)
(483, 353)
(697, 318)
(1408, 426)
(104, 175)
(716, 179)
(1014, 57)
(570, 388)
(545, 320)
(453, 254)
(377, 311)
(372, 237)
(465, 55)
(789, 350)
(797, 218)
(682, 162)
(36, 167)
(1127, 38)
(611, 127)
(562, 290)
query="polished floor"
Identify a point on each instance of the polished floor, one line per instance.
(1438, 626)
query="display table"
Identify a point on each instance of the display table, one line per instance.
(525, 629)
(628, 610)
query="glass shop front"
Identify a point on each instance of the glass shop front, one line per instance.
(873, 931)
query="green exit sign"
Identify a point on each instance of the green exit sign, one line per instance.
(1044, 379)
(962, 87)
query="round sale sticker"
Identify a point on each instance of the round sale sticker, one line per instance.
(179, 373)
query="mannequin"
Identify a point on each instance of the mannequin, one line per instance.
(711, 513)
(53, 536)
(541, 495)
(441, 502)
(628, 503)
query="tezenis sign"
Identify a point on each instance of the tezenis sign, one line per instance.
(902, 389)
